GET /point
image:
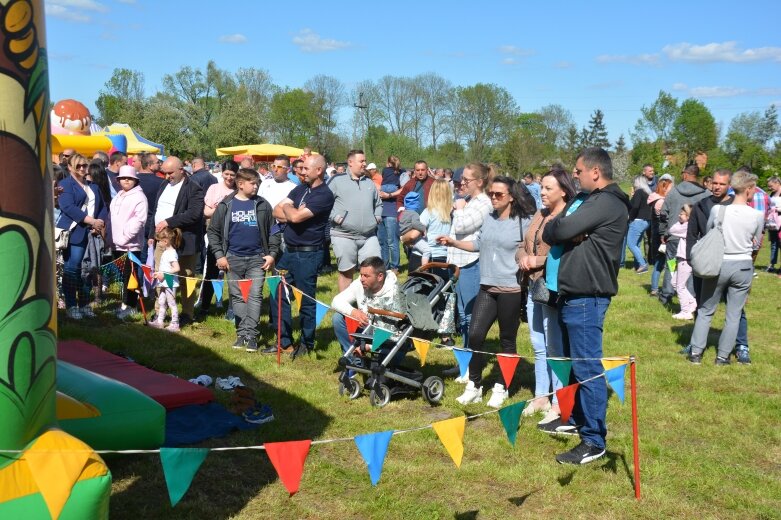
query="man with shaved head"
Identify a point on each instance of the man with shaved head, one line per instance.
(305, 212)
(178, 203)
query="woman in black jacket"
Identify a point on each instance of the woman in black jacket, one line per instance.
(639, 220)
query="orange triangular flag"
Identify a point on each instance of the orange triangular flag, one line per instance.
(297, 298)
(288, 459)
(608, 363)
(189, 284)
(244, 287)
(451, 434)
(566, 397)
(352, 326)
(421, 346)
(132, 283)
(507, 365)
(55, 466)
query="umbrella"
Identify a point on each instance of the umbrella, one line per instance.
(266, 151)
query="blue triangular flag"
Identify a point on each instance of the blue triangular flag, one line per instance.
(373, 447)
(615, 378)
(217, 284)
(179, 468)
(380, 337)
(321, 310)
(273, 282)
(133, 258)
(463, 357)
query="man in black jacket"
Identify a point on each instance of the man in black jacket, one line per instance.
(178, 204)
(589, 240)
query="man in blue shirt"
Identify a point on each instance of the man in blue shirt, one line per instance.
(534, 188)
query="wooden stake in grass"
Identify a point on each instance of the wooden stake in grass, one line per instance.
(635, 432)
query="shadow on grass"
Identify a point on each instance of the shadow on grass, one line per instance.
(227, 481)
(519, 501)
(467, 515)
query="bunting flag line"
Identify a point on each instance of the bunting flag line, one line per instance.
(273, 283)
(507, 365)
(217, 284)
(373, 447)
(189, 286)
(607, 364)
(320, 311)
(421, 346)
(615, 378)
(566, 397)
(451, 434)
(511, 418)
(169, 280)
(297, 298)
(288, 460)
(463, 357)
(244, 287)
(147, 270)
(133, 258)
(179, 468)
(352, 325)
(380, 336)
(562, 369)
(132, 283)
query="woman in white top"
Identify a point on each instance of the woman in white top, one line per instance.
(743, 227)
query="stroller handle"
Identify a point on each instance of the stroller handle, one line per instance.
(383, 312)
(441, 265)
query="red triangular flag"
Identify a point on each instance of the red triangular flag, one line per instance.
(566, 397)
(288, 459)
(352, 326)
(245, 286)
(507, 365)
(147, 273)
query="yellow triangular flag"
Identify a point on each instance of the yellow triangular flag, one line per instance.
(132, 283)
(298, 296)
(451, 434)
(189, 284)
(421, 346)
(613, 363)
(56, 462)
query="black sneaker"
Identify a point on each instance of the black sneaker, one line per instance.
(741, 355)
(583, 453)
(694, 359)
(556, 427)
(240, 342)
(686, 350)
(720, 361)
(300, 350)
(251, 345)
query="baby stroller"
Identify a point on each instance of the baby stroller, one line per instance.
(425, 299)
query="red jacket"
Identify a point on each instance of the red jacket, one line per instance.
(410, 186)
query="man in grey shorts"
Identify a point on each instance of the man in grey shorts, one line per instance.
(357, 211)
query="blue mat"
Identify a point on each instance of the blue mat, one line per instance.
(198, 422)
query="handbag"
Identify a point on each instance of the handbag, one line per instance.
(62, 236)
(539, 291)
(708, 253)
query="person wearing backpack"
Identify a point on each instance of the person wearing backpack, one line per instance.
(742, 229)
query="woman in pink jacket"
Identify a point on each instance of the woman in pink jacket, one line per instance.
(128, 217)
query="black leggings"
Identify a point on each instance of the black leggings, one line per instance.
(487, 308)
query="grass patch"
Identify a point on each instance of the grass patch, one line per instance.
(710, 442)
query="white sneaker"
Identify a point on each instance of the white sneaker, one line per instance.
(463, 380)
(686, 316)
(498, 396)
(74, 313)
(471, 394)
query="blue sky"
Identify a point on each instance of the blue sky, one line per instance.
(615, 56)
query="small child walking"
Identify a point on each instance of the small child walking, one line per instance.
(683, 270)
(168, 240)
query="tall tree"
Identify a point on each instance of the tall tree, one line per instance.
(483, 114)
(436, 106)
(121, 98)
(393, 97)
(329, 98)
(596, 131)
(558, 121)
(293, 117)
(620, 144)
(656, 122)
(694, 129)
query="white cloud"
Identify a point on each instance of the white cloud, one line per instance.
(84, 5)
(74, 10)
(63, 13)
(708, 92)
(515, 51)
(720, 52)
(233, 38)
(309, 41)
(680, 86)
(633, 59)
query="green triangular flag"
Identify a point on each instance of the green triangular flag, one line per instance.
(169, 280)
(273, 283)
(562, 368)
(511, 418)
(672, 264)
(179, 467)
(380, 337)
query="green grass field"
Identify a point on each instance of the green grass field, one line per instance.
(710, 436)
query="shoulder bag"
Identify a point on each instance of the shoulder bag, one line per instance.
(708, 253)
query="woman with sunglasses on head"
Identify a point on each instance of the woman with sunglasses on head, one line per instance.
(82, 212)
(499, 296)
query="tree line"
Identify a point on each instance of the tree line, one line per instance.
(424, 116)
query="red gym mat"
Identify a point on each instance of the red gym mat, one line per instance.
(169, 391)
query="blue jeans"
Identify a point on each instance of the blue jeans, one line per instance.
(388, 235)
(659, 265)
(634, 238)
(545, 336)
(772, 236)
(72, 280)
(246, 313)
(301, 267)
(581, 319)
(467, 287)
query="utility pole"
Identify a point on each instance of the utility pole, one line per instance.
(361, 106)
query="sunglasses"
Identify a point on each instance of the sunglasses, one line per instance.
(279, 167)
(496, 195)
(82, 166)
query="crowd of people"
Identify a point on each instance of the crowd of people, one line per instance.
(546, 249)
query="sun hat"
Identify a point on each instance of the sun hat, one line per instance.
(371, 166)
(127, 172)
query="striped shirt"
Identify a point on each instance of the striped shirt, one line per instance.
(465, 225)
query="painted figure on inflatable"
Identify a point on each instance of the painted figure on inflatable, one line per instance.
(44, 472)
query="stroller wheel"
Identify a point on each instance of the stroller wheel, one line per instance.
(380, 396)
(433, 389)
(352, 389)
